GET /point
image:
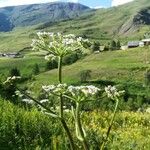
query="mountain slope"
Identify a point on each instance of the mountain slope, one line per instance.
(131, 20)
(126, 22)
(38, 13)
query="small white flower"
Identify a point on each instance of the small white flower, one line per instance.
(59, 34)
(50, 57)
(27, 101)
(112, 92)
(11, 79)
(18, 93)
(79, 39)
(15, 77)
(48, 88)
(44, 100)
(60, 88)
(83, 90)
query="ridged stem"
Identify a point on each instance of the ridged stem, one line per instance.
(110, 126)
(79, 125)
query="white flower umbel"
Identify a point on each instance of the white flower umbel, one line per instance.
(19, 94)
(44, 101)
(57, 44)
(48, 88)
(27, 101)
(55, 89)
(81, 93)
(50, 57)
(11, 79)
(112, 92)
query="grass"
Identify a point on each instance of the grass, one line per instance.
(101, 25)
(118, 66)
(22, 128)
(25, 65)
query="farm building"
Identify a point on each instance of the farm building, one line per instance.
(124, 47)
(146, 41)
(11, 55)
(141, 44)
(133, 44)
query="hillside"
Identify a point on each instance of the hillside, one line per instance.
(26, 15)
(126, 22)
(129, 20)
(119, 67)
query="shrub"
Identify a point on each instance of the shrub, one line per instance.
(51, 65)
(71, 58)
(14, 72)
(36, 69)
(147, 77)
(95, 46)
(85, 75)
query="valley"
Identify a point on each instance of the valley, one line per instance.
(81, 82)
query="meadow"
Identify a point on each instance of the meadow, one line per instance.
(27, 128)
(24, 129)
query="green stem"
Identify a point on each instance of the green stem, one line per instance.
(60, 69)
(61, 115)
(37, 102)
(79, 125)
(72, 146)
(60, 81)
(110, 126)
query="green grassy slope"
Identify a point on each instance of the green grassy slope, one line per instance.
(105, 23)
(117, 66)
(25, 65)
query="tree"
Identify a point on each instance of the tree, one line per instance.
(14, 72)
(95, 46)
(85, 75)
(71, 58)
(118, 45)
(36, 69)
(113, 45)
(147, 77)
(51, 65)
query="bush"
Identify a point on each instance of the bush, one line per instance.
(85, 75)
(147, 77)
(36, 69)
(95, 46)
(22, 129)
(70, 59)
(14, 72)
(51, 65)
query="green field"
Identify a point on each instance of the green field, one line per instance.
(118, 66)
(30, 129)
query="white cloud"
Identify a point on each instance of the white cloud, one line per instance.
(119, 2)
(4, 3)
(98, 7)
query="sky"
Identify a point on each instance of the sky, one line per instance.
(90, 3)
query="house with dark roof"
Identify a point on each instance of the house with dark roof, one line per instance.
(146, 41)
(132, 44)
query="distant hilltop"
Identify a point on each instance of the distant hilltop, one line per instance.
(34, 14)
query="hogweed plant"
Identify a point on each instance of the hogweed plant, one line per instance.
(57, 47)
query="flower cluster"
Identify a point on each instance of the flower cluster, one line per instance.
(78, 93)
(57, 44)
(112, 92)
(12, 79)
(55, 89)
(83, 91)
(50, 57)
(29, 101)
